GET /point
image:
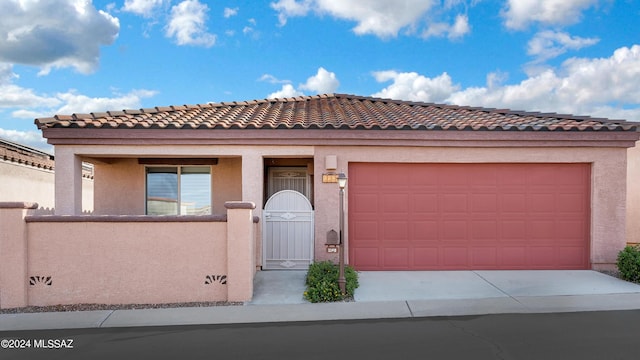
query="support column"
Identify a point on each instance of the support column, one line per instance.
(13, 254)
(608, 210)
(240, 250)
(68, 182)
(252, 190)
(252, 178)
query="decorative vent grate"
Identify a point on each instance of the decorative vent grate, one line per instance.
(40, 280)
(214, 279)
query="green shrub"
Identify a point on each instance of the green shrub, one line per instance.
(322, 282)
(629, 263)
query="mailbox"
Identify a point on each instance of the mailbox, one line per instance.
(333, 241)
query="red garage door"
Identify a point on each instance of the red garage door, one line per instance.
(468, 216)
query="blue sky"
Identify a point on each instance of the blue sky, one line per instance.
(77, 56)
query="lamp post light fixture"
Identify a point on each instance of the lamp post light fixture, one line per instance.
(342, 182)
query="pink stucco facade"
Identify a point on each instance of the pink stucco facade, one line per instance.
(240, 172)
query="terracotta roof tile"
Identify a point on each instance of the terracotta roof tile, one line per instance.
(334, 111)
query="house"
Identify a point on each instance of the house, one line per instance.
(27, 174)
(430, 187)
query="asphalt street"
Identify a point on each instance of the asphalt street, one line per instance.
(576, 335)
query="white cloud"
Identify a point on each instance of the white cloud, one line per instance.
(323, 82)
(272, 79)
(519, 14)
(290, 8)
(382, 18)
(12, 95)
(33, 139)
(454, 31)
(287, 91)
(604, 87)
(143, 8)
(79, 103)
(188, 24)
(581, 86)
(26, 103)
(550, 44)
(55, 34)
(229, 12)
(415, 87)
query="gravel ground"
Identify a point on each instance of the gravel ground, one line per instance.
(89, 307)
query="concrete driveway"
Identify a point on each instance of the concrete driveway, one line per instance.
(287, 287)
(439, 285)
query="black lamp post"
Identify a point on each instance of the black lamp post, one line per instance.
(342, 182)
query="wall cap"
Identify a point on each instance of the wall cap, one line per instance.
(18, 205)
(126, 218)
(240, 205)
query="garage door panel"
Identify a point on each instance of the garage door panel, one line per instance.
(541, 230)
(543, 175)
(484, 203)
(396, 231)
(484, 230)
(541, 203)
(426, 258)
(513, 256)
(571, 256)
(481, 176)
(513, 203)
(470, 216)
(364, 203)
(422, 177)
(453, 229)
(455, 176)
(513, 230)
(454, 257)
(567, 175)
(396, 257)
(424, 203)
(571, 203)
(391, 178)
(454, 203)
(516, 175)
(395, 204)
(365, 230)
(541, 256)
(484, 257)
(424, 230)
(366, 258)
(571, 230)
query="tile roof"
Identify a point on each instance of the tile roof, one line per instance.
(21, 154)
(332, 111)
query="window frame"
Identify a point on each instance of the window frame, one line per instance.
(179, 174)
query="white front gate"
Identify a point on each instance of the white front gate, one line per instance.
(287, 231)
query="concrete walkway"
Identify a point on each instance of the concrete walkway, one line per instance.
(380, 295)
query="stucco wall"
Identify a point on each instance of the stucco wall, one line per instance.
(633, 194)
(226, 180)
(50, 260)
(119, 188)
(30, 184)
(120, 263)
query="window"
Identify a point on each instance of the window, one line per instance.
(178, 190)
